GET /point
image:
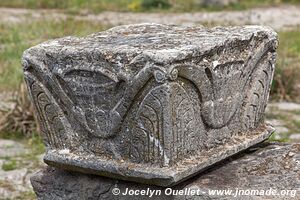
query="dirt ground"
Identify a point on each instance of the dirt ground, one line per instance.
(279, 18)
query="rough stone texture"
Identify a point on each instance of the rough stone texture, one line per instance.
(273, 166)
(151, 103)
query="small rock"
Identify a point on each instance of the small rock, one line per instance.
(281, 130)
(291, 154)
(295, 136)
(10, 148)
(277, 136)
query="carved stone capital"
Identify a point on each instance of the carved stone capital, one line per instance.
(151, 103)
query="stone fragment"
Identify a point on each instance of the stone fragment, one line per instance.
(282, 130)
(295, 137)
(151, 103)
(10, 148)
(274, 166)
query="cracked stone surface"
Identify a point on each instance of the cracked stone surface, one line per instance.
(151, 103)
(269, 165)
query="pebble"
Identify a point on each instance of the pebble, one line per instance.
(295, 136)
(281, 130)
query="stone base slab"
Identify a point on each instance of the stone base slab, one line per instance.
(165, 176)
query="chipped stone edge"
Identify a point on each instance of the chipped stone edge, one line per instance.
(165, 176)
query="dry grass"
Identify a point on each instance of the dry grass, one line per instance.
(286, 84)
(21, 118)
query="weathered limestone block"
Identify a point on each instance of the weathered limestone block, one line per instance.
(151, 103)
(274, 166)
